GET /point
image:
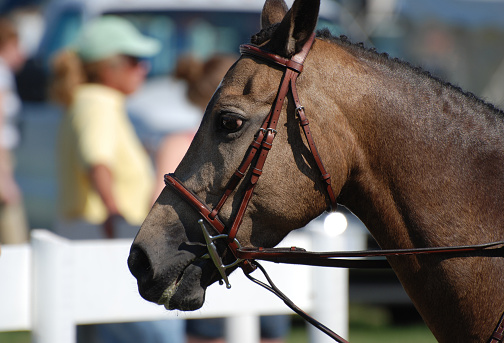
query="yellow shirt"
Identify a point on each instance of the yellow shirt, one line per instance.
(96, 130)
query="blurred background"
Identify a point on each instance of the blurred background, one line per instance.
(460, 41)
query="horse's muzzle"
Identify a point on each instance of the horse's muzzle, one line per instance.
(140, 266)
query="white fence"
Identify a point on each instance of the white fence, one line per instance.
(54, 284)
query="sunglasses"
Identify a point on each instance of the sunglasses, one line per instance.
(135, 61)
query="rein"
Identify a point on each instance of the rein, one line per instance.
(253, 162)
(343, 259)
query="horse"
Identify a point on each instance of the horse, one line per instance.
(418, 160)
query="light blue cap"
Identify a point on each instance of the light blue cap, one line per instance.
(107, 36)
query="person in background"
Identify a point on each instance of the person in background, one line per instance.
(105, 175)
(203, 78)
(13, 223)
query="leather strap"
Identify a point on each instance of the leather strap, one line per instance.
(296, 65)
(303, 121)
(498, 334)
(296, 255)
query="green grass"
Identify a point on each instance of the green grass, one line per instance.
(298, 334)
(416, 333)
(15, 337)
(375, 325)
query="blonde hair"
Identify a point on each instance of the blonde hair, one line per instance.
(67, 74)
(69, 71)
(8, 31)
(202, 77)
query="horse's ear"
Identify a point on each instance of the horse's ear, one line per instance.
(295, 28)
(273, 12)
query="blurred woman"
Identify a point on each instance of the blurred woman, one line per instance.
(106, 177)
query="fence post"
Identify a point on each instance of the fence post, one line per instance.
(52, 289)
(330, 285)
(244, 328)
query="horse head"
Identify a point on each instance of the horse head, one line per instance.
(169, 254)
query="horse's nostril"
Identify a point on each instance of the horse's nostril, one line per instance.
(138, 262)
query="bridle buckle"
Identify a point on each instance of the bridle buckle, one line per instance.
(213, 254)
(269, 129)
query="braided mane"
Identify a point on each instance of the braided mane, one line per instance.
(371, 53)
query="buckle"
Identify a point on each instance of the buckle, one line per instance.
(265, 131)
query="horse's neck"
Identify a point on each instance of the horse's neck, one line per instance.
(430, 159)
(428, 172)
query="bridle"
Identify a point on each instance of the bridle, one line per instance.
(253, 163)
(254, 160)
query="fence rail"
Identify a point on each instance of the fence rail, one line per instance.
(53, 284)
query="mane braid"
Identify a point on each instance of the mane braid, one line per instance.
(358, 48)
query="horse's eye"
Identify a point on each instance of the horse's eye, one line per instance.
(230, 123)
